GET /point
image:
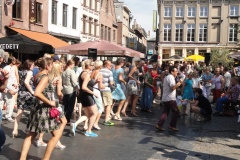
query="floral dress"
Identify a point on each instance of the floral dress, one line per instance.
(39, 120)
(25, 100)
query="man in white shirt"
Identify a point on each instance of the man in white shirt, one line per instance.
(169, 100)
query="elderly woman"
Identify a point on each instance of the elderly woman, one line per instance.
(98, 78)
(207, 85)
(217, 85)
(147, 95)
(133, 87)
(70, 85)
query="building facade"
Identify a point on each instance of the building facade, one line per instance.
(108, 23)
(18, 15)
(64, 20)
(124, 17)
(90, 13)
(189, 27)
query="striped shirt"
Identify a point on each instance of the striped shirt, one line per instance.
(107, 78)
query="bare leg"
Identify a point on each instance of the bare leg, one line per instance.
(134, 103)
(97, 120)
(91, 113)
(41, 137)
(16, 122)
(112, 107)
(81, 119)
(119, 109)
(56, 134)
(126, 105)
(26, 144)
(107, 113)
(62, 126)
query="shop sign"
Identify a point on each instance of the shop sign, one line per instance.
(32, 11)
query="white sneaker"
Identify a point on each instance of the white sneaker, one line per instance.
(41, 144)
(10, 119)
(238, 135)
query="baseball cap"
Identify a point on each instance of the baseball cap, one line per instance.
(150, 66)
(56, 58)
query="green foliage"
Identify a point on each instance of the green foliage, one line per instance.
(220, 55)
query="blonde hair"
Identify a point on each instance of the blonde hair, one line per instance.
(135, 61)
(56, 71)
(86, 64)
(98, 64)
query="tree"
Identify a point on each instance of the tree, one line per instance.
(220, 55)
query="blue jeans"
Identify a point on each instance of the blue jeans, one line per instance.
(147, 98)
(2, 138)
(220, 102)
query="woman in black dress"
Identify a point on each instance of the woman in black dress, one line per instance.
(86, 93)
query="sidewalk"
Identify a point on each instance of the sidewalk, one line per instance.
(214, 140)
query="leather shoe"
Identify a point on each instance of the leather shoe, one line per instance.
(173, 128)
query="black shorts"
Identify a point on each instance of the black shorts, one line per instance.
(87, 100)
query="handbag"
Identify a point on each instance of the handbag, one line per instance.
(54, 113)
(213, 86)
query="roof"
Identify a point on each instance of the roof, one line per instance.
(41, 37)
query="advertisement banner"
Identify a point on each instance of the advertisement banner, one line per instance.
(154, 20)
(32, 11)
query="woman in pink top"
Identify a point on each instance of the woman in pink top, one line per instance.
(218, 82)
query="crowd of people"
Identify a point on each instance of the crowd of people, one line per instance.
(52, 88)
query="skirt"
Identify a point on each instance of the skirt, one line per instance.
(132, 88)
(98, 100)
(118, 93)
(39, 120)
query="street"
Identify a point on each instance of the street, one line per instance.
(137, 139)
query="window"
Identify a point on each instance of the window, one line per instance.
(90, 4)
(167, 12)
(178, 52)
(54, 12)
(96, 5)
(203, 32)
(106, 32)
(95, 27)
(233, 32)
(84, 3)
(39, 13)
(90, 26)
(191, 11)
(107, 7)
(202, 52)
(179, 33)
(84, 23)
(102, 32)
(74, 18)
(167, 32)
(234, 10)
(109, 34)
(16, 9)
(114, 35)
(179, 12)
(191, 32)
(203, 11)
(64, 22)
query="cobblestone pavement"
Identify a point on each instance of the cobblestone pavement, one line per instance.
(136, 139)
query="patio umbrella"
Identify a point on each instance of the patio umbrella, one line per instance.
(174, 58)
(104, 48)
(195, 58)
(21, 44)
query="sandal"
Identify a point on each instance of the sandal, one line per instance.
(134, 114)
(60, 146)
(124, 114)
(117, 118)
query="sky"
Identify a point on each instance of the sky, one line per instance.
(142, 11)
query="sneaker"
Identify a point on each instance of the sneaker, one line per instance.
(96, 127)
(41, 144)
(73, 128)
(238, 135)
(108, 123)
(60, 146)
(10, 119)
(90, 134)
